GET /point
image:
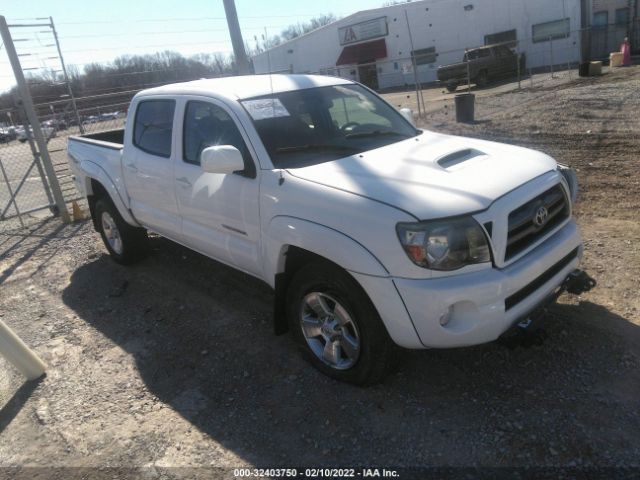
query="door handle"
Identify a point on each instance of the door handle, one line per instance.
(132, 167)
(184, 181)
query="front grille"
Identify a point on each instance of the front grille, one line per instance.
(524, 292)
(523, 230)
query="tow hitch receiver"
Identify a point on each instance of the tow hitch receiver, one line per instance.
(527, 331)
(578, 282)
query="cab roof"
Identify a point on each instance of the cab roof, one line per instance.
(246, 86)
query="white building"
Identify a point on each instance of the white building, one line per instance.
(374, 46)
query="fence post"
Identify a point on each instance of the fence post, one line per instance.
(531, 76)
(551, 55)
(466, 57)
(414, 65)
(27, 104)
(519, 61)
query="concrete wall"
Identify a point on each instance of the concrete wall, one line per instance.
(444, 24)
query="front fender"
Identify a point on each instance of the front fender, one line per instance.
(93, 171)
(285, 231)
(351, 255)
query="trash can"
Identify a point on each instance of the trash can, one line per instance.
(465, 107)
(583, 69)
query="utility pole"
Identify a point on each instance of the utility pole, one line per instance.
(585, 37)
(633, 13)
(242, 64)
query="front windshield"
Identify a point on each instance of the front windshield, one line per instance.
(315, 125)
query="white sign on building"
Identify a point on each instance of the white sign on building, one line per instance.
(363, 31)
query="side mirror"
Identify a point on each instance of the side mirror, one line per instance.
(407, 113)
(221, 159)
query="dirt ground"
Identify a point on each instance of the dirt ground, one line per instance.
(172, 362)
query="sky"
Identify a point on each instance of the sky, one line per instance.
(98, 31)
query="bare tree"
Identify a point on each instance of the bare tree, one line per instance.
(297, 29)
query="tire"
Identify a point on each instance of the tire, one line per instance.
(452, 87)
(126, 244)
(351, 320)
(483, 78)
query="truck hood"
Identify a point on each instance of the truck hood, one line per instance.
(433, 175)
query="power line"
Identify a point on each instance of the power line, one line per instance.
(206, 30)
(188, 19)
(125, 47)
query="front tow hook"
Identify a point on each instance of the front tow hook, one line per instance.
(527, 331)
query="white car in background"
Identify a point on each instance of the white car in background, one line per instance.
(7, 134)
(48, 132)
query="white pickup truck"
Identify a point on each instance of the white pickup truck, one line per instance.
(373, 234)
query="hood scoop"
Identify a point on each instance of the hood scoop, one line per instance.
(452, 161)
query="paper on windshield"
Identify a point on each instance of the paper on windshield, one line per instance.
(265, 108)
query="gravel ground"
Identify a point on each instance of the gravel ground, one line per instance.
(172, 363)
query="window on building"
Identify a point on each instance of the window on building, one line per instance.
(622, 16)
(153, 127)
(424, 56)
(600, 19)
(543, 32)
(510, 38)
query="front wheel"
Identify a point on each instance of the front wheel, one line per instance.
(337, 328)
(452, 86)
(126, 243)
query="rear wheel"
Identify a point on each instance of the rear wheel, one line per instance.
(126, 244)
(337, 328)
(452, 86)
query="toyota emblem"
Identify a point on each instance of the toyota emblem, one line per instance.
(540, 218)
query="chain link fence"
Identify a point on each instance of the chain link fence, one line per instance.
(25, 188)
(423, 80)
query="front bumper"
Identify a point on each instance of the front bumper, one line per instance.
(475, 308)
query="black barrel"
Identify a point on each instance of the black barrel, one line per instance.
(465, 107)
(583, 69)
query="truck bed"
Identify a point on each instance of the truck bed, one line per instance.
(113, 139)
(99, 156)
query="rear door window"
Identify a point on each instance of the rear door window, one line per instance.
(153, 126)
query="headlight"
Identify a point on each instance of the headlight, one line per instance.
(446, 244)
(570, 176)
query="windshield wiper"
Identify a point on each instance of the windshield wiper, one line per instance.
(376, 133)
(319, 147)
